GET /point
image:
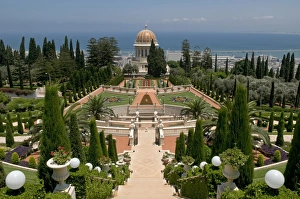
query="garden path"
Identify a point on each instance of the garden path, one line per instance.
(146, 181)
(142, 92)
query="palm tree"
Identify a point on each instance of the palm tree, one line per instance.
(199, 109)
(96, 107)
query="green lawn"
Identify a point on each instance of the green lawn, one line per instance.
(123, 98)
(31, 176)
(168, 98)
(259, 175)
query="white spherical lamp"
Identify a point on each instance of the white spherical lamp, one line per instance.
(216, 161)
(98, 169)
(75, 162)
(202, 164)
(89, 165)
(15, 179)
(274, 179)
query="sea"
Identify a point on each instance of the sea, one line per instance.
(222, 44)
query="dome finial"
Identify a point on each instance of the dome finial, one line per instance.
(145, 26)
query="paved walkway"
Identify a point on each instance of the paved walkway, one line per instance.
(146, 181)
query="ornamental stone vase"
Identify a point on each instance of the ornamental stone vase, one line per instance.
(230, 173)
(60, 174)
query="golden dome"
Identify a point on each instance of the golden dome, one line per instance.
(145, 37)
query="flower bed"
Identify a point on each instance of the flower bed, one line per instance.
(269, 152)
(180, 99)
(22, 151)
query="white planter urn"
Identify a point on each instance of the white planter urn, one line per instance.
(230, 173)
(105, 167)
(60, 174)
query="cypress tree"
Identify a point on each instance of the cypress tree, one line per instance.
(271, 73)
(271, 122)
(54, 135)
(289, 126)
(1, 124)
(189, 145)
(71, 50)
(94, 152)
(77, 54)
(20, 125)
(259, 121)
(240, 135)
(266, 69)
(111, 148)
(9, 132)
(296, 104)
(180, 147)
(234, 87)
(292, 67)
(292, 169)
(9, 61)
(219, 142)
(272, 95)
(216, 63)
(280, 128)
(287, 67)
(2, 52)
(252, 65)
(198, 146)
(1, 84)
(262, 67)
(103, 143)
(248, 89)
(226, 67)
(283, 101)
(75, 140)
(9, 121)
(258, 68)
(282, 67)
(277, 73)
(22, 49)
(297, 76)
(245, 67)
(20, 76)
(115, 150)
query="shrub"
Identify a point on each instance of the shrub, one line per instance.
(29, 190)
(2, 176)
(31, 162)
(277, 156)
(260, 160)
(58, 195)
(194, 187)
(2, 153)
(15, 159)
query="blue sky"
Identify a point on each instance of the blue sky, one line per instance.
(160, 15)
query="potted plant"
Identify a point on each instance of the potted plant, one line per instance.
(165, 158)
(126, 157)
(105, 162)
(59, 163)
(232, 159)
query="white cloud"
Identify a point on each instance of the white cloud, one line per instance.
(184, 19)
(264, 17)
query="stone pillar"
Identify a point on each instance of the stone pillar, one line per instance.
(131, 133)
(160, 127)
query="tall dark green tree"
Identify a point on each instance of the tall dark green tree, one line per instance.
(22, 49)
(292, 67)
(271, 73)
(189, 144)
(282, 67)
(280, 129)
(9, 61)
(1, 125)
(271, 122)
(186, 58)
(180, 147)
(103, 143)
(95, 151)
(272, 95)
(156, 61)
(245, 67)
(198, 146)
(115, 150)
(297, 99)
(54, 135)
(2, 52)
(240, 134)
(289, 126)
(30, 120)
(216, 63)
(297, 76)
(77, 54)
(259, 68)
(111, 149)
(71, 50)
(287, 67)
(219, 142)
(292, 169)
(75, 139)
(266, 69)
(252, 66)
(9, 138)
(2, 176)
(226, 66)
(259, 122)
(20, 124)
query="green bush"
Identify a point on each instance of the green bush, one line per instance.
(277, 156)
(174, 175)
(58, 195)
(214, 178)
(260, 160)
(98, 189)
(31, 162)
(15, 159)
(194, 187)
(28, 191)
(228, 194)
(2, 154)
(2, 176)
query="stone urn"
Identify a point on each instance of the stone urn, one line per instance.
(230, 173)
(105, 167)
(60, 174)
